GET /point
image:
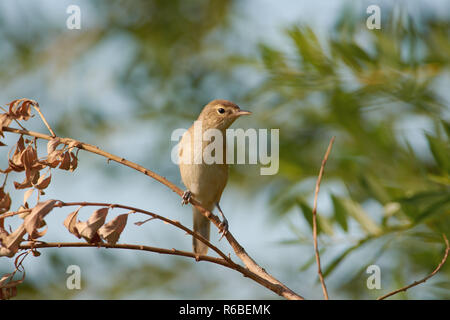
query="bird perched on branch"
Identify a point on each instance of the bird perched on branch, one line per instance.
(205, 181)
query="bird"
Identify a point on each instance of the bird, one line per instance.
(206, 182)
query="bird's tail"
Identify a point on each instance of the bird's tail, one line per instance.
(202, 226)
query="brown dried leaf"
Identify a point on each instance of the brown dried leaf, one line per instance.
(112, 230)
(35, 219)
(43, 182)
(5, 201)
(11, 284)
(73, 162)
(10, 244)
(29, 160)
(7, 293)
(15, 163)
(24, 208)
(88, 229)
(71, 221)
(27, 195)
(5, 277)
(20, 109)
(52, 145)
(65, 163)
(25, 184)
(5, 121)
(54, 158)
(29, 157)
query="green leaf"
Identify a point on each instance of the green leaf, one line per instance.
(336, 261)
(340, 213)
(440, 151)
(437, 208)
(355, 210)
(307, 213)
(323, 223)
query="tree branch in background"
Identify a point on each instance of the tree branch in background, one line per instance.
(314, 212)
(415, 283)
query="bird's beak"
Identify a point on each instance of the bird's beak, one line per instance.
(243, 113)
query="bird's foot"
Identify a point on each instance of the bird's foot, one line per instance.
(186, 197)
(223, 226)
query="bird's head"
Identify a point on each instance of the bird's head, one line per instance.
(220, 114)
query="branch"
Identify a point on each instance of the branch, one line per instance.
(256, 271)
(154, 215)
(38, 109)
(220, 261)
(314, 212)
(415, 283)
(172, 251)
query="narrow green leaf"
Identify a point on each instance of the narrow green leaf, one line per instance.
(440, 151)
(340, 214)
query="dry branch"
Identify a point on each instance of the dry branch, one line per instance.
(415, 283)
(314, 212)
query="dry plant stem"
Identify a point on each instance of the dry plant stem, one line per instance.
(314, 212)
(245, 272)
(415, 283)
(266, 279)
(125, 246)
(38, 109)
(154, 215)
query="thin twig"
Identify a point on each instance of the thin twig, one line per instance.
(415, 283)
(38, 109)
(244, 271)
(154, 216)
(274, 284)
(314, 212)
(126, 246)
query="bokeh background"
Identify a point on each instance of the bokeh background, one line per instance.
(137, 70)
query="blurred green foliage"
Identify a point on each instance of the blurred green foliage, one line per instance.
(365, 93)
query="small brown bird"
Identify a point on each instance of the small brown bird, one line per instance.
(205, 182)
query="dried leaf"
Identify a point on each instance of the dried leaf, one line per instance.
(112, 230)
(43, 182)
(35, 219)
(25, 184)
(23, 208)
(5, 121)
(88, 229)
(52, 145)
(5, 277)
(7, 293)
(73, 162)
(54, 158)
(15, 163)
(27, 195)
(5, 284)
(71, 221)
(10, 245)
(65, 163)
(5, 201)
(29, 159)
(20, 109)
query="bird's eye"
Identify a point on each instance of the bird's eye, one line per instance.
(221, 110)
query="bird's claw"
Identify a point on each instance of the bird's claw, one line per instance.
(223, 228)
(186, 197)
